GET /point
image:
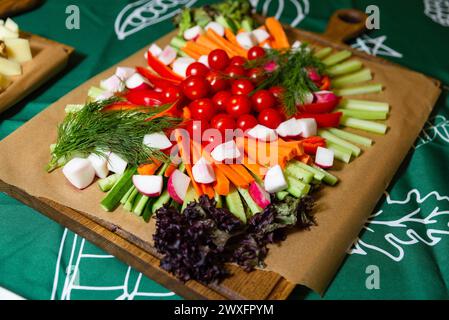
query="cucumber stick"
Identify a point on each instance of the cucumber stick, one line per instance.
(364, 105)
(337, 57)
(340, 153)
(253, 207)
(235, 205)
(345, 68)
(363, 114)
(316, 173)
(164, 198)
(107, 183)
(362, 89)
(370, 126)
(112, 199)
(322, 53)
(190, 196)
(299, 173)
(281, 195)
(347, 145)
(352, 78)
(328, 178)
(128, 206)
(296, 187)
(351, 137)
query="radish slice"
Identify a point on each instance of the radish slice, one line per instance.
(313, 75)
(324, 157)
(167, 56)
(124, 72)
(181, 64)
(157, 140)
(177, 185)
(260, 35)
(150, 186)
(218, 28)
(275, 180)
(116, 164)
(203, 172)
(325, 96)
(100, 165)
(262, 133)
(113, 84)
(226, 151)
(155, 50)
(289, 128)
(79, 172)
(308, 127)
(246, 40)
(137, 82)
(259, 195)
(193, 33)
(204, 60)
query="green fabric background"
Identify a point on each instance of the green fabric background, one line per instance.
(408, 242)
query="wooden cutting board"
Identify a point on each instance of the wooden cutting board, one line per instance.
(241, 285)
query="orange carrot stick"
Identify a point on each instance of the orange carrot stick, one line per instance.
(231, 37)
(193, 54)
(254, 167)
(204, 41)
(208, 190)
(229, 47)
(222, 185)
(168, 172)
(241, 171)
(201, 50)
(277, 32)
(233, 176)
(148, 169)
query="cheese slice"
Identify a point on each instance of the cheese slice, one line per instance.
(18, 50)
(9, 67)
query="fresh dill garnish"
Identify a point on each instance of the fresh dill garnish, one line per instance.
(92, 130)
(290, 73)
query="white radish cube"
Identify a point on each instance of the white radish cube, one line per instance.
(218, 28)
(155, 50)
(246, 40)
(124, 72)
(79, 172)
(9, 67)
(100, 164)
(308, 127)
(289, 128)
(260, 35)
(324, 157)
(262, 133)
(193, 33)
(204, 60)
(136, 81)
(5, 33)
(150, 186)
(112, 84)
(167, 56)
(226, 151)
(157, 140)
(181, 64)
(203, 172)
(18, 50)
(116, 164)
(11, 25)
(275, 180)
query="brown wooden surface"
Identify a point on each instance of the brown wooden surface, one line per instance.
(9, 8)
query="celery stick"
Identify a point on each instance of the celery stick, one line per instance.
(337, 57)
(364, 105)
(178, 42)
(140, 205)
(345, 68)
(299, 173)
(367, 88)
(218, 200)
(281, 195)
(126, 196)
(147, 212)
(370, 126)
(356, 77)
(253, 207)
(363, 114)
(112, 199)
(107, 183)
(328, 178)
(182, 167)
(247, 25)
(317, 174)
(163, 199)
(322, 53)
(130, 202)
(190, 196)
(352, 137)
(354, 150)
(340, 153)
(296, 187)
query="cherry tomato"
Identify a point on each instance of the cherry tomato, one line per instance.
(218, 59)
(263, 99)
(171, 94)
(242, 86)
(256, 52)
(217, 81)
(145, 97)
(197, 69)
(202, 109)
(277, 92)
(256, 75)
(238, 105)
(237, 61)
(223, 122)
(195, 128)
(235, 71)
(220, 99)
(246, 122)
(270, 118)
(195, 87)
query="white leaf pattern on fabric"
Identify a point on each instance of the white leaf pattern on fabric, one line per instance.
(438, 11)
(302, 8)
(375, 46)
(435, 128)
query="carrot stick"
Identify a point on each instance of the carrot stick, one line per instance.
(191, 53)
(204, 41)
(201, 50)
(241, 171)
(255, 168)
(305, 158)
(222, 185)
(277, 32)
(231, 37)
(229, 47)
(233, 176)
(170, 169)
(148, 169)
(208, 190)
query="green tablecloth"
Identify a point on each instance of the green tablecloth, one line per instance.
(407, 241)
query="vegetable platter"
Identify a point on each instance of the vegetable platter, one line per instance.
(195, 219)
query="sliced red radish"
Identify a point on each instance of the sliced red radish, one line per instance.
(289, 128)
(246, 40)
(124, 72)
(270, 66)
(116, 164)
(155, 50)
(274, 180)
(177, 185)
(167, 56)
(313, 75)
(112, 84)
(100, 164)
(325, 96)
(324, 157)
(260, 196)
(218, 28)
(79, 172)
(150, 186)
(181, 64)
(260, 35)
(137, 82)
(262, 133)
(308, 127)
(203, 172)
(204, 60)
(193, 33)
(226, 151)
(157, 140)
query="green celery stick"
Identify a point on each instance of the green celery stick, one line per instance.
(354, 150)
(299, 173)
(147, 212)
(178, 42)
(163, 199)
(370, 126)
(130, 202)
(140, 205)
(367, 88)
(345, 68)
(218, 200)
(363, 114)
(337, 57)
(107, 183)
(351, 137)
(112, 199)
(281, 195)
(328, 177)
(317, 174)
(353, 78)
(340, 153)
(190, 196)
(322, 53)
(296, 187)
(127, 194)
(253, 207)
(364, 105)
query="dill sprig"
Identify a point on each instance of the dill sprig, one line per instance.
(290, 73)
(92, 130)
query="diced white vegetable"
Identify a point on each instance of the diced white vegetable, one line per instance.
(11, 25)
(155, 50)
(5, 33)
(79, 172)
(307, 99)
(193, 33)
(204, 60)
(203, 172)
(150, 186)
(275, 180)
(260, 35)
(308, 127)
(112, 84)
(324, 157)
(9, 67)
(246, 40)
(105, 95)
(262, 133)
(226, 151)
(136, 82)
(296, 44)
(18, 50)
(116, 164)
(181, 64)
(218, 28)
(259, 195)
(157, 140)
(167, 56)
(177, 185)
(266, 46)
(100, 165)
(289, 128)
(124, 72)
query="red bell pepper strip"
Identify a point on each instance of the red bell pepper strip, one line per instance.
(320, 107)
(325, 83)
(311, 144)
(161, 69)
(323, 120)
(155, 80)
(122, 105)
(148, 98)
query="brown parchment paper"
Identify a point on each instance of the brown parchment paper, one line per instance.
(49, 58)
(309, 258)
